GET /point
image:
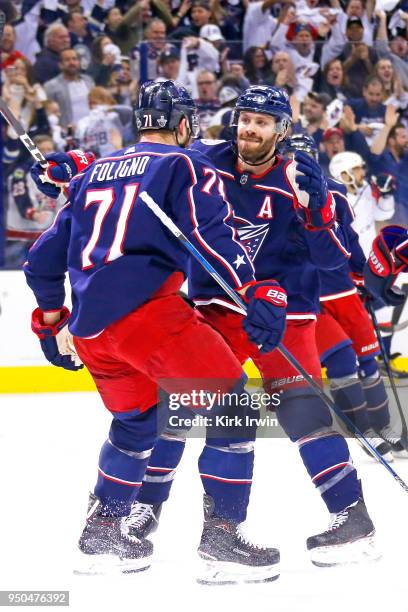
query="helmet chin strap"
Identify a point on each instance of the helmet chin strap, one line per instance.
(257, 163)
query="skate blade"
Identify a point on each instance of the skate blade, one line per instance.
(360, 551)
(94, 565)
(219, 572)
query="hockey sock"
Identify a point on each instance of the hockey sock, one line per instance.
(328, 462)
(226, 474)
(346, 387)
(161, 470)
(123, 460)
(120, 475)
(375, 393)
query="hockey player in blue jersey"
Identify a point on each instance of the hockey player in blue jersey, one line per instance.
(345, 334)
(291, 241)
(132, 329)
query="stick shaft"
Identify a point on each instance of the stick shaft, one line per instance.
(165, 219)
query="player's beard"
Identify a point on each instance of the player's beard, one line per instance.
(256, 151)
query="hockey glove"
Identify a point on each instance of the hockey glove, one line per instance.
(61, 168)
(388, 257)
(55, 340)
(319, 212)
(266, 315)
(382, 185)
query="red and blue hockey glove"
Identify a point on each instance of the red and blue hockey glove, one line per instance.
(388, 257)
(54, 340)
(62, 167)
(383, 184)
(266, 315)
(319, 214)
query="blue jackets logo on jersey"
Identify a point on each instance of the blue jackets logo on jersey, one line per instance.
(251, 236)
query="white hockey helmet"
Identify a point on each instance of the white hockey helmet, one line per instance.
(345, 162)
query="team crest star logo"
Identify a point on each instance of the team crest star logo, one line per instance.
(251, 235)
(240, 261)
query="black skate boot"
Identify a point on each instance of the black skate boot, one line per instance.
(228, 557)
(143, 519)
(107, 546)
(381, 445)
(349, 539)
(394, 440)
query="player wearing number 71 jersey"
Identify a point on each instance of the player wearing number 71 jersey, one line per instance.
(135, 333)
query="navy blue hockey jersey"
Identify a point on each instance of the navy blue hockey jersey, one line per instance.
(337, 283)
(115, 249)
(277, 242)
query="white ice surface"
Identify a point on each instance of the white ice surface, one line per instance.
(49, 448)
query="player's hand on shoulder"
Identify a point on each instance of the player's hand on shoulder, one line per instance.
(265, 321)
(61, 168)
(56, 340)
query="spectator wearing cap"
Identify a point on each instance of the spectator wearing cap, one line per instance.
(70, 89)
(169, 64)
(357, 58)
(207, 101)
(396, 50)
(9, 53)
(344, 137)
(198, 54)
(369, 110)
(257, 66)
(332, 81)
(299, 40)
(47, 64)
(355, 8)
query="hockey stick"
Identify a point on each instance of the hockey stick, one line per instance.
(404, 438)
(167, 222)
(22, 134)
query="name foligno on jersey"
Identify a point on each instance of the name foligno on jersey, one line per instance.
(112, 169)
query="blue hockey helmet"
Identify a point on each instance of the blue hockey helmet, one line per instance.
(162, 106)
(266, 100)
(301, 142)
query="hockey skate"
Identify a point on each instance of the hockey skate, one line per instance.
(394, 440)
(106, 545)
(381, 445)
(143, 519)
(349, 539)
(228, 557)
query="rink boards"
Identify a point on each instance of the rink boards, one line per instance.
(22, 366)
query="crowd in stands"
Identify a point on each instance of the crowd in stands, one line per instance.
(71, 69)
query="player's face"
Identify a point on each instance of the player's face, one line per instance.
(359, 175)
(256, 136)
